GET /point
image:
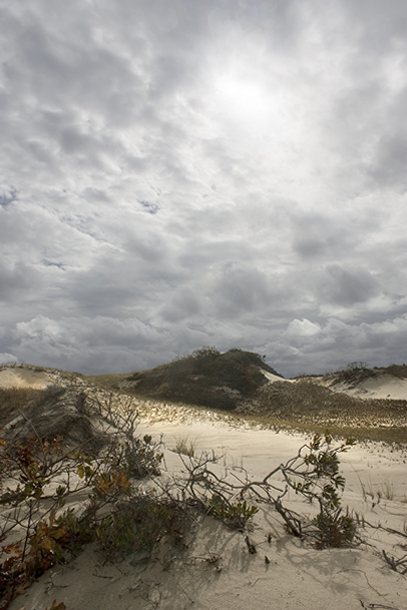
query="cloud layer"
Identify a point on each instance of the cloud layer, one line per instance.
(177, 174)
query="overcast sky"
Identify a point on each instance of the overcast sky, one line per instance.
(181, 173)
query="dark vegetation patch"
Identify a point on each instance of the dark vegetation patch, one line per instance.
(398, 370)
(205, 378)
(357, 372)
(354, 373)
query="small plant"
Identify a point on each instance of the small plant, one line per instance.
(185, 446)
(234, 514)
(333, 529)
(138, 524)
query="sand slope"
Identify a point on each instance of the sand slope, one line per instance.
(216, 570)
(382, 386)
(22, 377)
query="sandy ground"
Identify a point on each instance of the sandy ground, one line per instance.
(297, 576)
(216, 571)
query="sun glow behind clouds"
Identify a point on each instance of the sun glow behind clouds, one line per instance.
(244, 99)
(250, 102)
(257, 115)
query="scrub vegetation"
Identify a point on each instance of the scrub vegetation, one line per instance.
(56, 497)
(205, 378)
(236, 382)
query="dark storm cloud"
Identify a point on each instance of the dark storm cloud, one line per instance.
(317, 237)
(240, 290)
(180, 173)
(348, 287)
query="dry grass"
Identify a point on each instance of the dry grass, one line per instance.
(303, 406)
(305, 402)
(13, 399)
(108, 381)
(185, 446)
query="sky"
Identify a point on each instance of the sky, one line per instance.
(185, 173)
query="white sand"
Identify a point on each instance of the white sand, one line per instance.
(383, 386)
(297, 577)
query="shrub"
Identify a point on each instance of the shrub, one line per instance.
(234, 514)
(313, 473)
(355, 372)
(398, 370)
(206, 353)
(138, 524)
(333, 529)
(39, 475)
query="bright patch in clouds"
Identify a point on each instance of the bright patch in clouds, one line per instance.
(245, 100)
(252, 103)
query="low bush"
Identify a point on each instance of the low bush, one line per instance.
(312, 473)
(38, 476)
(334, 529)
(233, 514)
(398, 370)
(138, 523)
(355, 372)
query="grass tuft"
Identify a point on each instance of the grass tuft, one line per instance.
(185, 446)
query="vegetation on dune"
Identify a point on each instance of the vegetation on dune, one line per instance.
(310, 403)
(397, 370)
(41, 474)
(235, 382)
(204, 378)
(13, 399)
(313, 473)
(356, 372)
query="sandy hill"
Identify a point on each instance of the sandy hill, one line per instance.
(216, 568)
(205, 378)
(357, 400)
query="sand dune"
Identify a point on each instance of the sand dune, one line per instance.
(24, 377)
(216, 571)
(382, 386)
